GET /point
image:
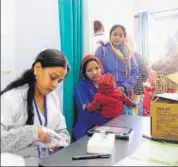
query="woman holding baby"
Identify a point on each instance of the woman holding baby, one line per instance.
(117, 59)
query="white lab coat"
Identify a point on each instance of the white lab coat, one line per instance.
(16, 136)
(96, 39)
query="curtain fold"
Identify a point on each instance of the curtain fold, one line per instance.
(142, 34)
(71, 32)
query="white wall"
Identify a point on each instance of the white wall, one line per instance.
(154, 5)
(35, 26)
(86, 28)
(109, 12)
(7, 41)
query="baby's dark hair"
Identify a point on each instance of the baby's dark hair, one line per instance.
(47, 58)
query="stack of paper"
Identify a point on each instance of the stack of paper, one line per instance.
(9, 159)
(152, 153)
(170, 96)
(56, 140)
(136, 162)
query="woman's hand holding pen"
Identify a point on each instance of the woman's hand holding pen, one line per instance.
(43, 136)
(54, 148)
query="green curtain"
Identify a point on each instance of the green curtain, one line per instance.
(71, 33)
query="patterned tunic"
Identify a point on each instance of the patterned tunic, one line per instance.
(142, 75)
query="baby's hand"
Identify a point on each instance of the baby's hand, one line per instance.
(121, 89)
(84, 106)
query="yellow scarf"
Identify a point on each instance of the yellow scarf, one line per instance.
(126, 60)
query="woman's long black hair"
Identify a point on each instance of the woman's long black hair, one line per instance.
(47, 58)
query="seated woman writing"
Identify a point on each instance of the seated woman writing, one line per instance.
(30, 110)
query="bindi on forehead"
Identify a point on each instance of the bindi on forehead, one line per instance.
(92, 64)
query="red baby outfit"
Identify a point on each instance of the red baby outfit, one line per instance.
(109, 100)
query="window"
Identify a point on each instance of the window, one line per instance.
(163, 34)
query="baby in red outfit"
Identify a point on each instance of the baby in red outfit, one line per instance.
(109, 100)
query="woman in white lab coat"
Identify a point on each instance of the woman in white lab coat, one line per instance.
(30, 110)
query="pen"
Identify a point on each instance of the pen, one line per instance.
(150, 138)
(90, 156)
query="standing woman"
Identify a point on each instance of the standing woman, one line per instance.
(142, 77)
(29, 104)
(117, 59)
